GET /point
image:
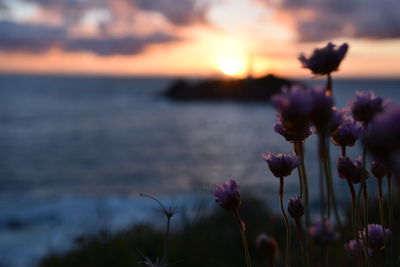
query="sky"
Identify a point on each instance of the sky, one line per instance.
(196, 37)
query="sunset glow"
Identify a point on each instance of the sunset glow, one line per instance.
(232, 65)
(201, 38)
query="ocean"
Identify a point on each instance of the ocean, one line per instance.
(75, 152)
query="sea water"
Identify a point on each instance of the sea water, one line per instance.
(75, 152)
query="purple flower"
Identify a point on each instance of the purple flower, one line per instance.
(281, 165)
(294, 105)
(295, 207)
(352, 170)
(355, 247)
(227, 195)
(347, 133)
(376, 235)
(324, 60)
(324, 115)
(382, 136)
(323, 233)
(295, 135)
(267, 246)
(379, 168)
(366, 106)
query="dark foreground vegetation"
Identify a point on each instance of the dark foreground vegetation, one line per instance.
(209, 239)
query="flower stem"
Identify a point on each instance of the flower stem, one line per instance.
(286, 222)
(328, 90)
(242, 229)
(303, 178)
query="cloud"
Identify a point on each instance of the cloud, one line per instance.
(40, 38)
(31, 38)
(179, 12)
(123, 45)
(323, 20)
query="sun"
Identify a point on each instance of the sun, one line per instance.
(234, 65)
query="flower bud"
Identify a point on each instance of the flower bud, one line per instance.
(295, 207)
(281, 165)
(268, 247)
(366, 106)
(379, 169)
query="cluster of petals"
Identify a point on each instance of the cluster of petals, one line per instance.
(298, 109)
(382, 136)
(325, 60)
(294, 107)
(227, 195)
(323, 233)
(366, 106)
(281, 165)
(351, 169)
(347, 133)
(295, 207)
(379, 168)
(376, 236)
(324, 115)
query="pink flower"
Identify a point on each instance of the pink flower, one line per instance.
(227, 195)
(281, 165)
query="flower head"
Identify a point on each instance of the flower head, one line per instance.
(295, 207)
(379, 168)
(324, 115)
(281, 165)
(227, 195)
(323, 233)
(366, 106)
(382, 136)
(347, 133)
(376, 235)
(267, 246)
(324, 60)
(295, 135)
(294, 106)
(352, 170)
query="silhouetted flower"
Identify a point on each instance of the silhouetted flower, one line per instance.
(366, 106)
(324, 116)
(376, 236)
(347, 133)
(324, 60)
(379, 168)
(323, 233)
(382, 136)
(281, 165)
(267, 246)
(295, 135)
(295, 207)
(355, 247)
(352, 170)
(294, 105)
(227, 195)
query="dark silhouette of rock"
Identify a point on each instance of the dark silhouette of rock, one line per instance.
(260, 89)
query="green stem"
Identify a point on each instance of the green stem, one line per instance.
(330, 187)
(390, 203)
(287, 251)
(303, 175)
(242, 229)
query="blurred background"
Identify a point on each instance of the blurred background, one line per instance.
(84, 127)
